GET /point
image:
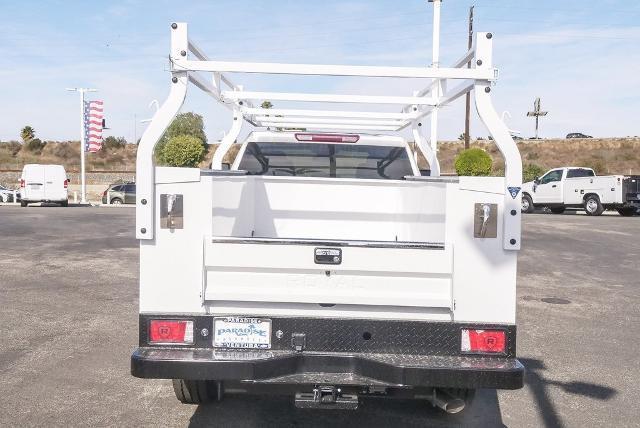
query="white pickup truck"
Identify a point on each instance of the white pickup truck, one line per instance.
(578, 187)
(321, 264)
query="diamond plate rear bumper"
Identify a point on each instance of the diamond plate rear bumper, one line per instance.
(338, 368)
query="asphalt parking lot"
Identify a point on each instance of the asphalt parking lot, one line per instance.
(68, 290)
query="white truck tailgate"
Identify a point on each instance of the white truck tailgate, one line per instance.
(246, 270)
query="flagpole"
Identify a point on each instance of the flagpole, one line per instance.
(83, 186)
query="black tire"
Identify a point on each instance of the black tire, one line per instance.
(196, 391)
(626, 211)
(116, 201)
(23, 204)
(592, 205)
(527, 204)
(64, 203)
(557, 210)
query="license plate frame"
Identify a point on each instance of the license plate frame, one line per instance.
(241, 333)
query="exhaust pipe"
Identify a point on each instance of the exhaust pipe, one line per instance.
(446, 401)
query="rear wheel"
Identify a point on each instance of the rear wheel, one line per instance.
(197, 391)
(527, 204)
(23, 204)
(64, 203)
(626, 211)
(116, 201)
(593, 206)
(557, 210)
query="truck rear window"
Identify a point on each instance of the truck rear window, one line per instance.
(579, 172)
(326, 160)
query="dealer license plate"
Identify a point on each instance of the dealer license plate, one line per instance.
(240, 332)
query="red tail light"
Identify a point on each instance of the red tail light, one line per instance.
(66, 183)
(328, 138)
(171, 331)
(483, 341)
(22, 182)
(104, 193)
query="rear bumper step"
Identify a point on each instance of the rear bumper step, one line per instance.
(290, 367)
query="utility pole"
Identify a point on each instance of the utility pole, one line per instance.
(468, 96)
(83, 186)
(537, 113)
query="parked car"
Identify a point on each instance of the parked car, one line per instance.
(6, 195)
(578, 135)
(44, 183)
(122, 193)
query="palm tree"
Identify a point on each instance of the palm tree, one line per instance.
(266, 104)
(27, 134)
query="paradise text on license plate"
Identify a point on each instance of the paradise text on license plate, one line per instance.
(240, 332)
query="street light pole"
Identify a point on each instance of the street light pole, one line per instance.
(83, 186)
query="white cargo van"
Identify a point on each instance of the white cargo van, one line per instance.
(43, 183)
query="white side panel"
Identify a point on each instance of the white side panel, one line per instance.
(484, 275)
(608, 188)
(171, 263)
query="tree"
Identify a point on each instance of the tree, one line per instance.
(190, 124)
(473, 162)
(266, 104)
(183, 151)
(27, 134)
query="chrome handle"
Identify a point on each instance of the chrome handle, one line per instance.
(486, 214)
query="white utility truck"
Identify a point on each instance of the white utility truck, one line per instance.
(44, 183)
(578, 187)
(322, 264)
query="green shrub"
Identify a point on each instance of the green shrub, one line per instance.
(473, 162)
(531, 171)
(183, 150)
(183, 124)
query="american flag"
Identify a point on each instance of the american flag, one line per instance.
(93, 116)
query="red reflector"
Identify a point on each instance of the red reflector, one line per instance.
(328, 138)
(66, 183)
(21, 182)
(483, 341)
(170, 331)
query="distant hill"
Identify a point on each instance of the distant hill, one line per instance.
(606, 156)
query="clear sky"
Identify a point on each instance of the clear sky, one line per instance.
(582, 58)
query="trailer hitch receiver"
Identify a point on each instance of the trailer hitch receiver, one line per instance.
(326, 397)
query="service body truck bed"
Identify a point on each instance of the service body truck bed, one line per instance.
(322, 265)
